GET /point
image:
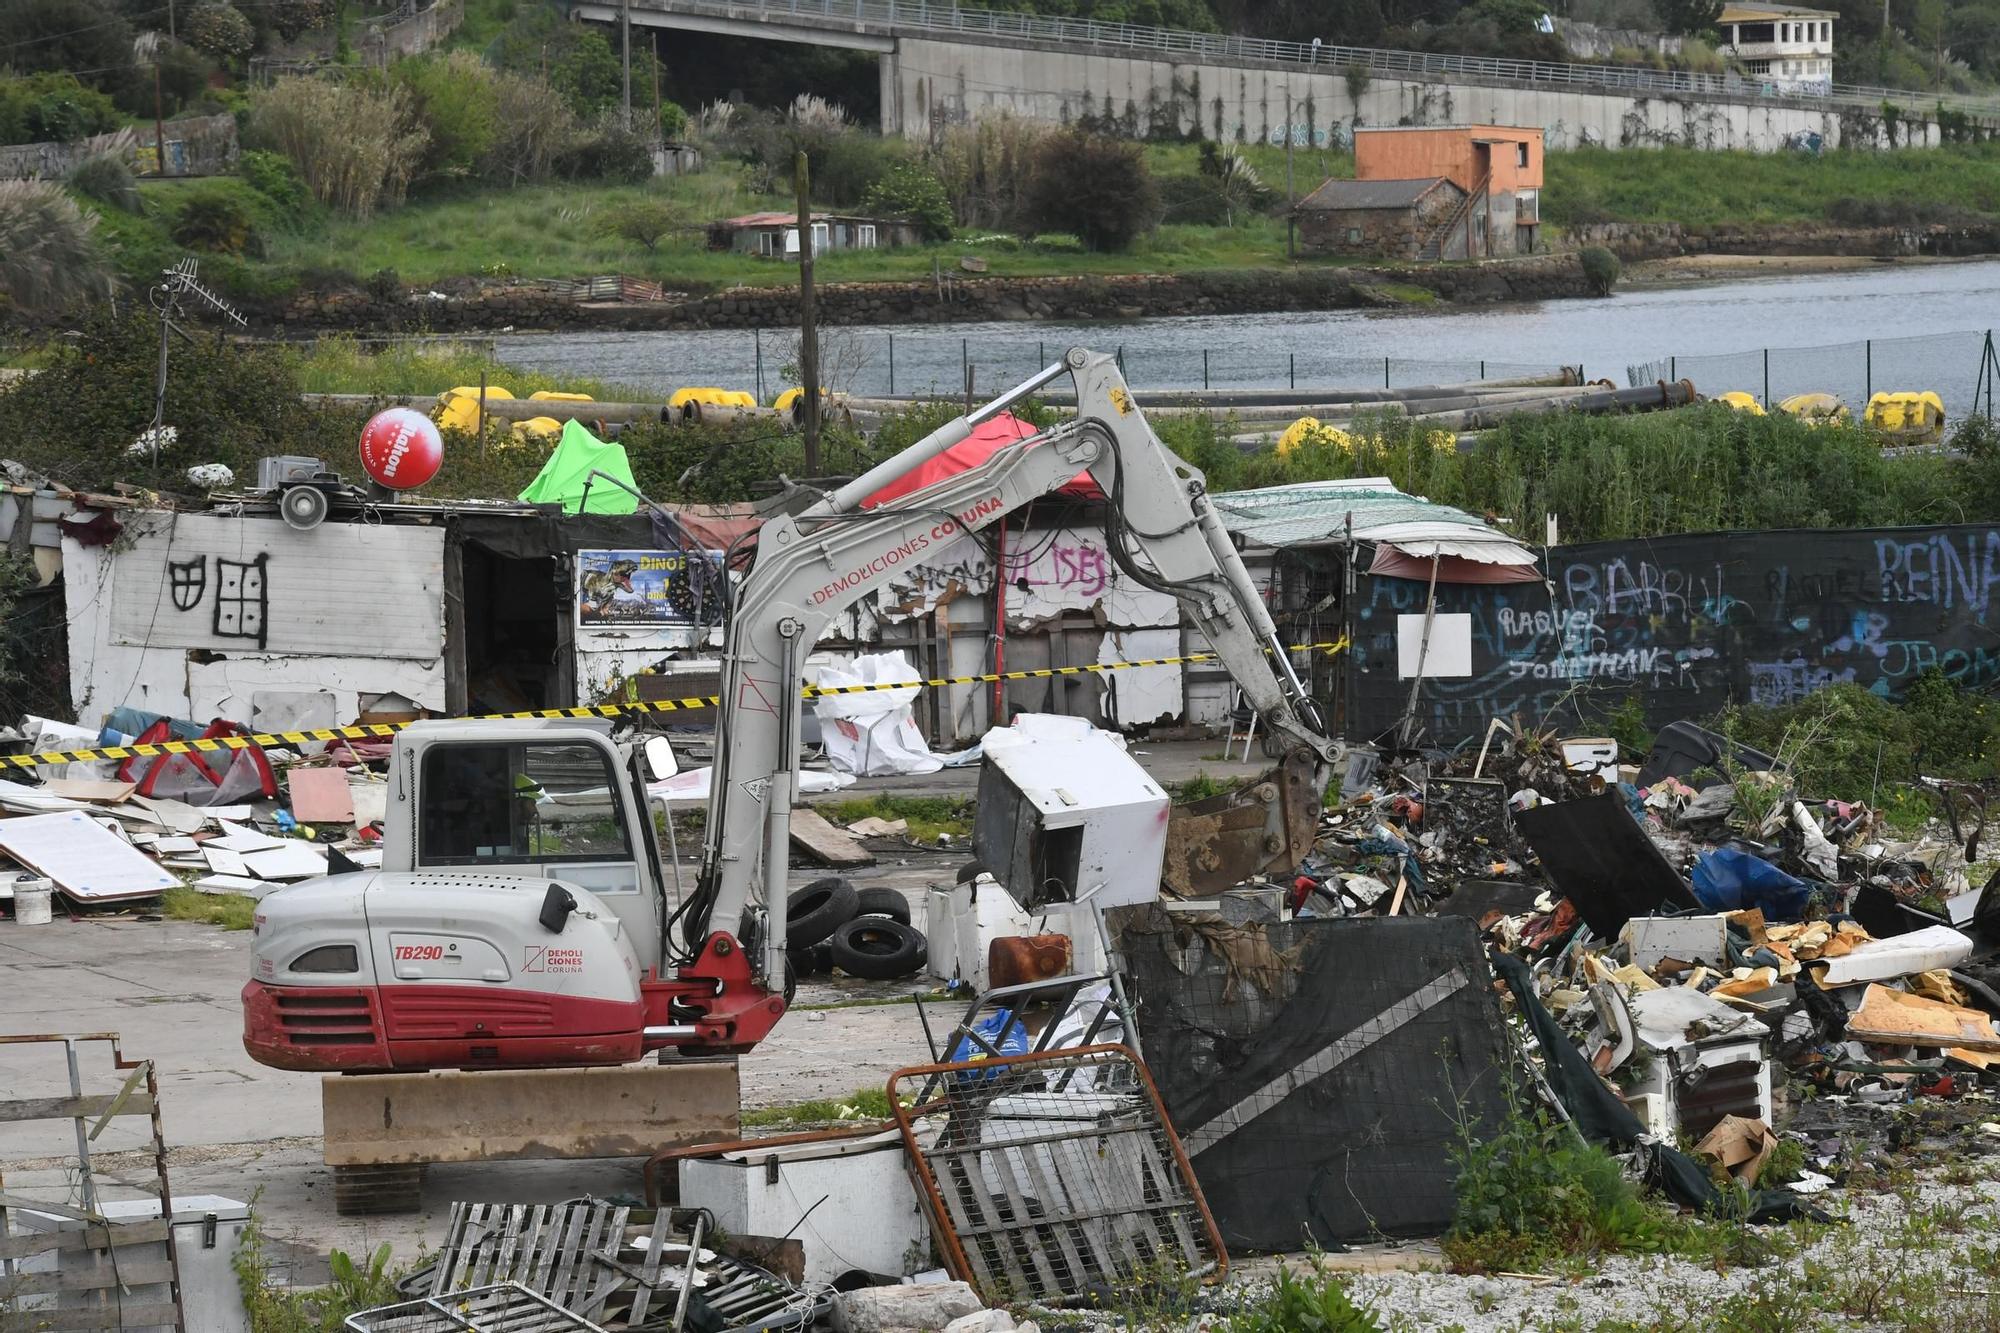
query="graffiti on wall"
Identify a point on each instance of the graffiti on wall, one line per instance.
(1689, 624)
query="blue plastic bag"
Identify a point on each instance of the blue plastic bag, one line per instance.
(1000, 1030)
(1729, 880)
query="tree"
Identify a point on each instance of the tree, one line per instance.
(83, 35)
(457, 98)
(219, 29)
(43, 108)
(1093, 187)
(914, 191)
(49, 257)
(1688, 16)
(644, 221)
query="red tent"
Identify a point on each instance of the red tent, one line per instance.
(986, 439)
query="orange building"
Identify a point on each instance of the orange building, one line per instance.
(1498, 166)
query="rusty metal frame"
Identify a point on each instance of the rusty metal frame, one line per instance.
(942, 1228)
(116, 1107)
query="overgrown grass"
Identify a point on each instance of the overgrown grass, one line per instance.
(861, 1104)
(1200, 787)
(231, 911)
(345, 365)
(930, 817)
(1709, 189)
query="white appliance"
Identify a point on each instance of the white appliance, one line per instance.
(848, 1201)
(207, 1229)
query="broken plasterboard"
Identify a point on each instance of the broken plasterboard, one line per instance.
(320, 796)
(237, 838)
(288, 860)
(1446, 656)
(243, 884)
(86, 862)
(224, 862)
(1901, 1019)
(1897, 956)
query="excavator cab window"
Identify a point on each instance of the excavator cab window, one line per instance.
(514, 803)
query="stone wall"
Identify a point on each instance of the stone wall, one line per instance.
(1224, 292)
(1390, 233)
(1632, 241)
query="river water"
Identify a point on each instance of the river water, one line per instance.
(1893, 327)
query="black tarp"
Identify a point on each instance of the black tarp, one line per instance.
(1598, 857)
(1389, 1032)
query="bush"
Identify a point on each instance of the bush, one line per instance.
(644, 221)
(49, 257)
(984, 169)
(673, 121)
(1057, 243)
(533, 125)
(1319, 1304)
(215, 221)
(1191, 198)
(107, 180)
(219, 29)
(1600, 269)
(457, 99)
(52, 108)
(273, 176)
(1095, 187)
(914, 191)
(609, 153)
(357, 146)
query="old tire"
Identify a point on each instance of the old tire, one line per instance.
(815, 960)
(879, 948)
(883, 902)
(816, 911)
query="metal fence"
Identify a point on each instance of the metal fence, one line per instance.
(868, 364)
(1958, 367)
(921, 16)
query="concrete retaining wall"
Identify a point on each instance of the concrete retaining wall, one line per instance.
(929, 82)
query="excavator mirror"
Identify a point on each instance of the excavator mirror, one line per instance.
(557, 904)
(660, 759)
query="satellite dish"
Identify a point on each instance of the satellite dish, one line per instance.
(302, 507)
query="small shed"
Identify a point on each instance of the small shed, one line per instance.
(776, 235)
(1392, 218)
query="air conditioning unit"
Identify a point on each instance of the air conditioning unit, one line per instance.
(282, 470)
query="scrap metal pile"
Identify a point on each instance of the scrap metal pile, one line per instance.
(1699, 938)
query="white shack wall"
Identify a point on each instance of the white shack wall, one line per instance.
(194, 615)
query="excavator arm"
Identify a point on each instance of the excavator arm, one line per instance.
(1161, 531)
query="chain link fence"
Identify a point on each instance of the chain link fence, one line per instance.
(1958, 367)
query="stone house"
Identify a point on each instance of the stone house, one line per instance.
(1388, 218)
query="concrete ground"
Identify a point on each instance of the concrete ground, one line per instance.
(238, 1129)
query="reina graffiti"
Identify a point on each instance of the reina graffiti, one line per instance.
(1944, 569)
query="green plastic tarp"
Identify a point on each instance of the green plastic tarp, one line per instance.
(562, 479)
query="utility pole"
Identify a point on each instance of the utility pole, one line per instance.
(625, 52)
(808, 327)
(170, 20)
(159, 130)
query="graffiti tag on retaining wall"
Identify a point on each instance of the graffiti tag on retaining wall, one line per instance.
(1689, 624)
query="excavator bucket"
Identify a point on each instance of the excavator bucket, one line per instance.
(1266, 826)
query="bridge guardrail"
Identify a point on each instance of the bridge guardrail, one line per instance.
(912, 16)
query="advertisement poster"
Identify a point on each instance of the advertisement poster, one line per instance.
(627, 589)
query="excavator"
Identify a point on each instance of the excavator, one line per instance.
(521, 920)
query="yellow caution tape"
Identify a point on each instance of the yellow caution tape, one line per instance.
(380, 730)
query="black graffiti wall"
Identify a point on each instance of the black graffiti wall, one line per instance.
(1691, 623)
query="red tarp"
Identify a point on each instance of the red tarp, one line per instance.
(986, 439)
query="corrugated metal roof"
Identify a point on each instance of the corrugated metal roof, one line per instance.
(1347, 194)
(1318, 511)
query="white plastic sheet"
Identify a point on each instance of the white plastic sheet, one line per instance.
(873, 733)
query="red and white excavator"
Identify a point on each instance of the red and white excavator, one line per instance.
(522, 918)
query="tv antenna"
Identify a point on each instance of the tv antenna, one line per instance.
(176, 286)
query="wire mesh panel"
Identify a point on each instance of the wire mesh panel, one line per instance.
(1054, 1175)
(506, 1307)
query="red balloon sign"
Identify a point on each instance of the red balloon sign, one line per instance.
(401, 448)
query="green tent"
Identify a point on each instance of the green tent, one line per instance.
(562, 479)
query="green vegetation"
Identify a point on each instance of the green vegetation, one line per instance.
(1707, 189)
(231, 911)
(1314, 1304)
(290, 1309)
(930, 817)
(862, 1104)
(340, 364)
(49, 256)
(1200, 787)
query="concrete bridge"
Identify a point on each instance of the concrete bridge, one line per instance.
(942, 64)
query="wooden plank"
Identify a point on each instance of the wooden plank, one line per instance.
(91, 1276)
(826, 844)
(520, 1114)
(650, 1270)
(92, 1237)
(88, 1107)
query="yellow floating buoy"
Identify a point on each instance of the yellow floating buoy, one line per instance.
(1742, 402)
(712, 397)
(458, 409)
(1906, 418)
(1817, 409)
(554, 396)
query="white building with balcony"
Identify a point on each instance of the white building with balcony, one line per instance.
(1786, 47)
